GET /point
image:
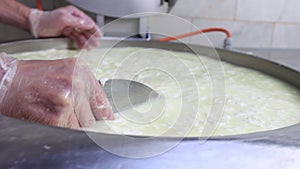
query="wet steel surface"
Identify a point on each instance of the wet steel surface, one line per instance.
(30, 145)
(288, 57)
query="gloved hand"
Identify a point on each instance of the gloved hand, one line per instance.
(54, 92)
(68, 21)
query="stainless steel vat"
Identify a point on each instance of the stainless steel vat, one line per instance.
(30, 145)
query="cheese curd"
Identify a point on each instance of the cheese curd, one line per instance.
(253, 101)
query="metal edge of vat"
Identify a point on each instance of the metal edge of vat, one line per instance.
(53, 147)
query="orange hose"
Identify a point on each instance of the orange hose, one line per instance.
(39, 5)
(171, 38)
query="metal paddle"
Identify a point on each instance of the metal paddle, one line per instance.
(125, 94)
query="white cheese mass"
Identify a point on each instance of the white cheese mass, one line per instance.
(253, 101)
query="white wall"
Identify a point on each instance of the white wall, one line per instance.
(253, 23)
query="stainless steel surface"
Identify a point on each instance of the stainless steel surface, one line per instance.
(120, 8)
(29, 145)
(134, 28)
(124, 94)
(124, 18)
(288, 57)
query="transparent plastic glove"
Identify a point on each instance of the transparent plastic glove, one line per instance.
(54, 93)
(68, 21)
(8, 67)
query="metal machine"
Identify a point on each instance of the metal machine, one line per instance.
(132, 15)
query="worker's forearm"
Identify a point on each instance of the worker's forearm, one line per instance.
(14, 13)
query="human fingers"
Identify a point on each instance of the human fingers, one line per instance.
(69, 32)
(92, 40)
(79, 19)
(80, 40)
(99, 103)
(96, 32)
(73, 122)
(84, 112)
(84, 39)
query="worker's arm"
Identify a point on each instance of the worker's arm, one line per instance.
(66, 21)
(14, 13)
(56, 92)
